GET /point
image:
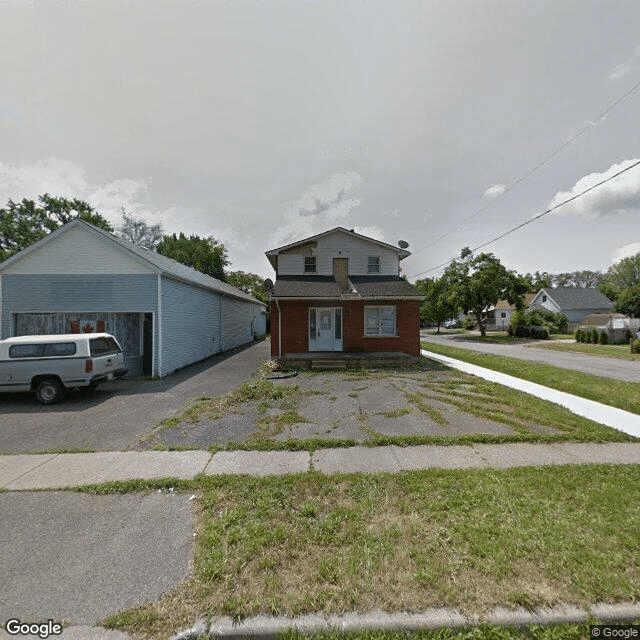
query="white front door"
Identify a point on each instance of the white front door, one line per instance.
(325, 329)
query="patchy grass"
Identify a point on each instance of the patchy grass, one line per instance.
(405, 542)
(609, 350)
(617, 393)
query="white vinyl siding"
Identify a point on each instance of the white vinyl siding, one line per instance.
(380, 321)
(79, 251)
(341, 245)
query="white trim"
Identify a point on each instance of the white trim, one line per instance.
(159, 325)
(153, 339)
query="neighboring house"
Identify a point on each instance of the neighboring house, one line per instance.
(499, 317)
(164, 314)
(341, 291)
(575, 302)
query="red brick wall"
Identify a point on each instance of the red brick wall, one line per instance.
(295, 326)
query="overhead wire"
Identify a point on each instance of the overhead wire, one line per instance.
(537, 217)
(540, 164)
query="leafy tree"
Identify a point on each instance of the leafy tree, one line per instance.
(583, 279)
(621, 283)
(24, 222)
(250, 283)
(536, 281)
(438, 304)
(136, 230)
(479, 282)
(203, 254)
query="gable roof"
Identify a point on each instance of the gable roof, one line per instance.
(402, 253)
(154, 261)
(577, 298)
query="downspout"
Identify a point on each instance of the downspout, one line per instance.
(220, 321)
(279, 330)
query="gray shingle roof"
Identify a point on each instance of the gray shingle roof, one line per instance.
(305, 287)
(326, 287)
(578, 298)
(383, 286)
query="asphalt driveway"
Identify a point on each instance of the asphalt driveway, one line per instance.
(118, 414)
(627, 370)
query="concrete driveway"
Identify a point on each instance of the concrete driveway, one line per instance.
(80, 558)
(119, 413)
(618, 368)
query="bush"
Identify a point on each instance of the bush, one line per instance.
(594, 335)
(579, 335)
(628, 336)
(510, 330)
(604, 338)
(635, 346)
(468, 323)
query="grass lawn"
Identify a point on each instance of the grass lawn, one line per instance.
(610, 350)
(470, 540)
(617, 393)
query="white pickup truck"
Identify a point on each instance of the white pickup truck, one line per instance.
(48, 365)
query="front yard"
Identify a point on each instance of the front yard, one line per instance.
(429, 404)
(405, 542)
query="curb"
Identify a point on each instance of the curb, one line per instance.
(269, 627)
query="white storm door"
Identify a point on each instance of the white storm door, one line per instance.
(324, 329)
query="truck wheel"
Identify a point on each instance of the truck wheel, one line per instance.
(49, 391)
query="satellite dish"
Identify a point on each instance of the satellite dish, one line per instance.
(403, 244)
(268, 285)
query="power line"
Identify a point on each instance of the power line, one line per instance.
(540, 164)
(544, 213)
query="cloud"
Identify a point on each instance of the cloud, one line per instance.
(65, 178)
(626, 251)
(320, 207)
(626, 67)
(495, 190)
(616, 196)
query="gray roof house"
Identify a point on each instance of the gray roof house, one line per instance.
(164, 314)
(574, 302)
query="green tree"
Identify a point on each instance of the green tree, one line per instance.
(583, 279)
(621, 283)
(438, 304)
(136, 230)
(250, 283)
(24, 222)
(479, 282)
(536, 281)
(203, 254)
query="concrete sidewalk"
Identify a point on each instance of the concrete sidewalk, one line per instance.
(58, 471)
(604, 414)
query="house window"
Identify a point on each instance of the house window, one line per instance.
(310, 264)
(544, 298)
(373, 266)
(503, 314)
(379, 321)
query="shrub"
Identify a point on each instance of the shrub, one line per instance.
(635, 346)
(604, 338)
(468, 323)
(510, 330)
(594, 335)
(579, 335)
(628, 336)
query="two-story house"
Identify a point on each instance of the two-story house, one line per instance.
(342, 291)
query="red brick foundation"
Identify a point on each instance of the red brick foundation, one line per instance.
(295, 326)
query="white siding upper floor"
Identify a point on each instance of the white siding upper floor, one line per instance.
(339, 245)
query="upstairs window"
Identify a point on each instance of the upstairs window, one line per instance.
(373, 265)
(544, 297)
(310, 264)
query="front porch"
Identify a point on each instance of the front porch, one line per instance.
(322, 360)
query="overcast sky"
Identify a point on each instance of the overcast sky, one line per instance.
(261, 122)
